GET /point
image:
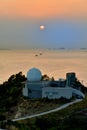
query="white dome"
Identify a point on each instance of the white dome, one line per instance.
(34, 74)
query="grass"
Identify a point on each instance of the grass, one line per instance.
(29, 107)
(72, 117)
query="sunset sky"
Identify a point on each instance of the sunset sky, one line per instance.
(65, 23)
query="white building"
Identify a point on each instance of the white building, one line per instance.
(58, 92)
(36, 88)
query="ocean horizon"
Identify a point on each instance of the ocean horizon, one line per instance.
(53, 62)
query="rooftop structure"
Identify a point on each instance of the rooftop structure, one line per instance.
(34, 74)
(70, 79)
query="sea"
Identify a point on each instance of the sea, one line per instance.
(53, 62)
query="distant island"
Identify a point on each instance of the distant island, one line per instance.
(83, 48)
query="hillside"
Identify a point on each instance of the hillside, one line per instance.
(73, 117)
(14, 105)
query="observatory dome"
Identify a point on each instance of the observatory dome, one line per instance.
(34, 74)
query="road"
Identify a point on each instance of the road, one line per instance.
(47, 112)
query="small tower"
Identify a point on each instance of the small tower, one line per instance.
(70, 79)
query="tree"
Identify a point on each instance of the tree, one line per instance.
(11, 91)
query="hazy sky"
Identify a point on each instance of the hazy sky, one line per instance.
(65, 23)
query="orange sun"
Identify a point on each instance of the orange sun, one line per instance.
(42, 27)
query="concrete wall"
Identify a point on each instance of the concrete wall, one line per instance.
(35, 94)
(34, 89)
(56, 92)
(25, 91)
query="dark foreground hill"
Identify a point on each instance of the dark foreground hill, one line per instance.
(73, 117)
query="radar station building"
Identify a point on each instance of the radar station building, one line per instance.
(35, 87)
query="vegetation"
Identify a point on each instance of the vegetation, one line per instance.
(83, 88)
(77, 84)
(47, 78)
(10, 93)
(73, 117)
